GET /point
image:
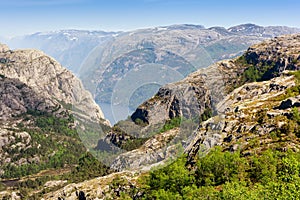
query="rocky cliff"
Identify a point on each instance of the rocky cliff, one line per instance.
(255, 99)
(49, 80)
(267, 60)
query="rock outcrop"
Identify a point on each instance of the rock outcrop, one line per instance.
(49, 80)
(17, 98)
(240, 117)
(212, 85)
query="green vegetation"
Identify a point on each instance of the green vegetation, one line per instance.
(133, 143)
(50, 123)
(206, 115)
(255, 72)
(88, 167)
(54, 144)
(58, 154)
(178, 121)
(126, 141)
(170, 124)
(297, 75)
(140, 122)
(252, 72)
(225, 175)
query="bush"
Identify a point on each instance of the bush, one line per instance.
(225, 175)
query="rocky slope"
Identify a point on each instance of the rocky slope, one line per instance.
(248, 104)
(258, 110)
(268, 59)
(48, 79)
(16, 98)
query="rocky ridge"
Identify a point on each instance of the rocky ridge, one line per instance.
(218, 79)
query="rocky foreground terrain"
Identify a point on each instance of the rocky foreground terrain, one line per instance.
(254, 102)
(247, 106)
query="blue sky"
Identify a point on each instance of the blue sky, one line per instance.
(29, 16)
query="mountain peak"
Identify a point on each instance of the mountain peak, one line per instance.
(183, 26)
(260, 31)
(245, 28)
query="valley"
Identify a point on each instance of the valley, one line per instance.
(229, 130)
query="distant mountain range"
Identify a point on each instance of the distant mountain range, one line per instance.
(69, 47)
(141, 58)
(146, 56)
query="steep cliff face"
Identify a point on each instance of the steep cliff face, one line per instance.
(17, 98)
(48, 79)
(182, 99)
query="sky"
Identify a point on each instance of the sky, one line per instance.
(19, 17)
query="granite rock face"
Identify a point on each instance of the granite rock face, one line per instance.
(49, 80)
(17, 98)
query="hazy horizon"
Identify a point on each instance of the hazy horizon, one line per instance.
(31, 16)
